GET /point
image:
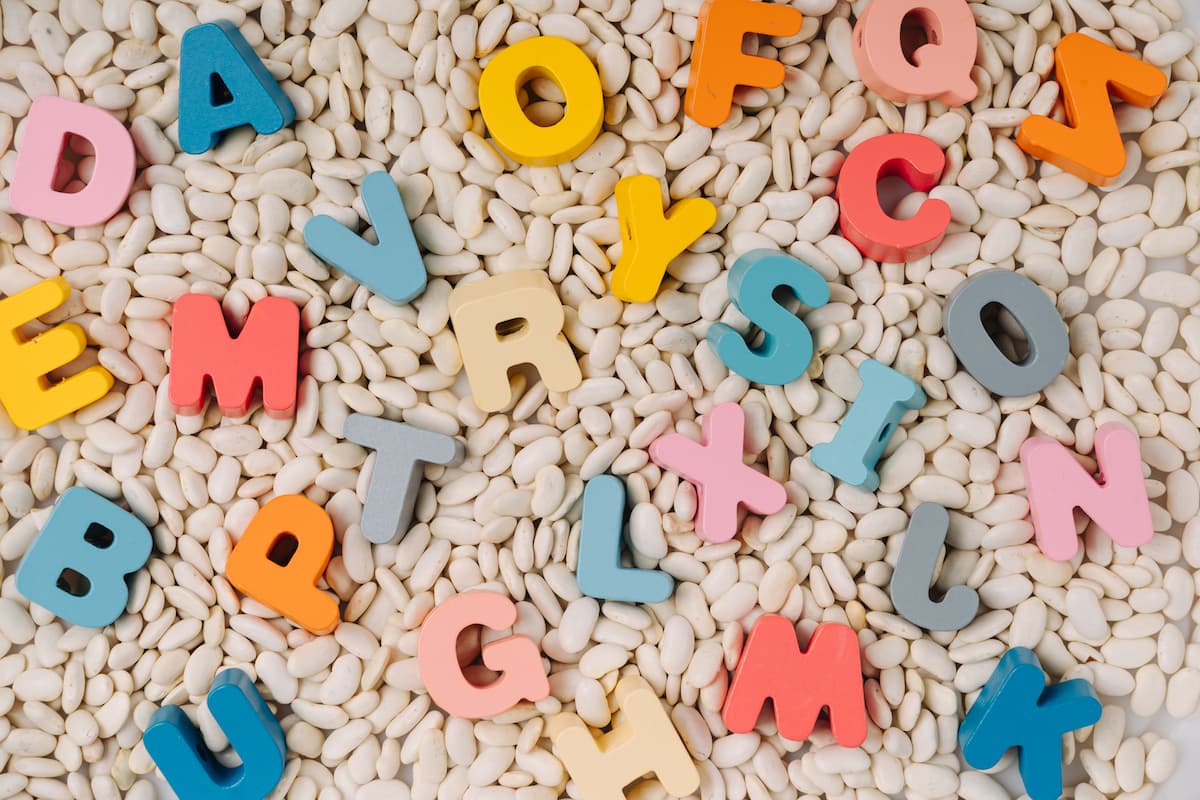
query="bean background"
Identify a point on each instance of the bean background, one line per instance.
(390, 84)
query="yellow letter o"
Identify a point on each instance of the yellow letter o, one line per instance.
(515, 134)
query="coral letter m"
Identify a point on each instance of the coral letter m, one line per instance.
(828, 674)
(266, 352)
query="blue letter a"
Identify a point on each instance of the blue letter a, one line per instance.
(223, 84)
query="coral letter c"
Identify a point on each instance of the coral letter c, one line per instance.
(916, 159)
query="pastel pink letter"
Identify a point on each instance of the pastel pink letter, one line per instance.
(51, 120)
(1057, 485)
(722, 480)
(517, 657)
(939, 70)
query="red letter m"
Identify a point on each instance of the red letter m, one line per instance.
(828, 674)
(267, 352)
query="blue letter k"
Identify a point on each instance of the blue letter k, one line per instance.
(1016, 709)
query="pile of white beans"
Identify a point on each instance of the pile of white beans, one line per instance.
(392, 85)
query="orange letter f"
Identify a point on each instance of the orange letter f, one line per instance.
(718, 63)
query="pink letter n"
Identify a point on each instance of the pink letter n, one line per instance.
(1057, 485)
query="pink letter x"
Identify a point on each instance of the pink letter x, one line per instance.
(722, 480)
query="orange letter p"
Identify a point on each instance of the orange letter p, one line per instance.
(292, 523)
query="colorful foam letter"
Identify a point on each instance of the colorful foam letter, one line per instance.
(1089, 146)
(223, 84)
(267, 352)
(1045, 332)
(51, 120)
(868, 425)
(939, 70)
(515, 657)
(76, 567)
(919, 162)
(827, 674)
(393, 268)
(787, 345)
(923, 543)
(1057, 485)
(26, 392)
(1016, 709)
(719, 65)
(600, 573)
(649, 238)
(178, 748)
(506, 320)
(400, 450)
(723, 481)
(502, 85)
(280, 558)
(644, 743)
